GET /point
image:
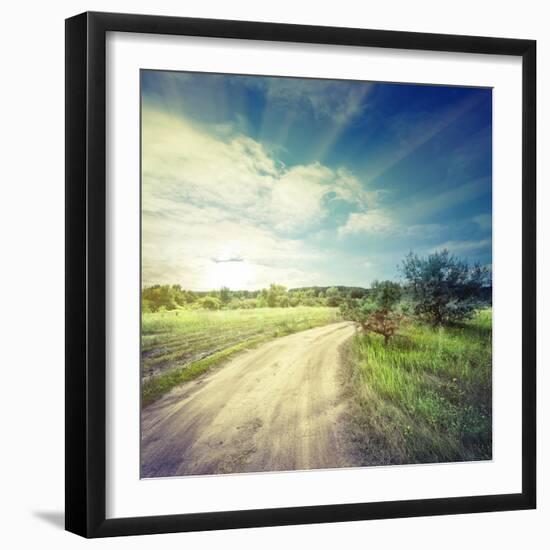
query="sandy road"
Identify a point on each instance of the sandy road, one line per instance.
(277, 407)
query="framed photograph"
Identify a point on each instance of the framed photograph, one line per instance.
(300, 274)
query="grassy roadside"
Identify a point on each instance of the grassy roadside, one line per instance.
(178, 346)
(426, 397)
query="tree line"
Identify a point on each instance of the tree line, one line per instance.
(439, 289)
(169, 297)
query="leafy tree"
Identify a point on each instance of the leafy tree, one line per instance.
(249, 303)
(294, 298)
(377, 312)
(385, 294)
(443, 288)
(178, 295)
(309, 298)
(190, 296)
(357, 293)
(333, 297)
(224, 295)
(283, 300)
(262, 300)
(209, 302)
(235, 303)
(155, 297)
(277, 296)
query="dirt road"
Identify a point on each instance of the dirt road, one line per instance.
(277, 407)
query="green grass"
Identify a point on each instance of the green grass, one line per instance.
(426, 397)
(178, 346)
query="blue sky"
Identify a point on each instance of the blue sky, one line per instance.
(250, 180)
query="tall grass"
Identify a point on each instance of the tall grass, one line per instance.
(178, 346)
(426, 397)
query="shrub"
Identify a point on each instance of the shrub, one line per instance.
(209, 302)
(378, 312)
(224, 295)
(333, 297)
(276, 296)
(155, 297)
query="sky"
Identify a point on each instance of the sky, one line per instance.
(252, 180)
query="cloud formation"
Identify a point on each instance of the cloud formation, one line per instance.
(203, 193)
(182, 162)
(374, 221)
(307, 181)
(462, 248)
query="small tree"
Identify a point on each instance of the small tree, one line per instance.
(190, 296)
(294, 298)
(444, 289)
(224, 295)
(333, 296)
(376, 313)
(248, 303)
(262, 298)
(159, 296)
(208, 302)
(309, 298)
(178, 295)
(277, 296)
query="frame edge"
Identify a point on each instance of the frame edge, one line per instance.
(85, 267)
(76, 475)
(529, 272)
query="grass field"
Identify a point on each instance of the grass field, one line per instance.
(426, 397)
(180, 345)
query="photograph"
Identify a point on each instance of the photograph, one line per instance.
(316, 273)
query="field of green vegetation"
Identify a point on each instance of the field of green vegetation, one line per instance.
(426, 395)
(419, 368)
(181, 344)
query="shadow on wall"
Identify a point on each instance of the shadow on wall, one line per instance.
(57, 519)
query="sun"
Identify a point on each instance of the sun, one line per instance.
(236, 275)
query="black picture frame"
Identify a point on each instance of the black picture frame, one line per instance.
(86, 274)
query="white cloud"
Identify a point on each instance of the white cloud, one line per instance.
(424, 230)
(182, 162)
(380, 221)
(371, 221)
(209, 194)
(181, 245)
(464, 247)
